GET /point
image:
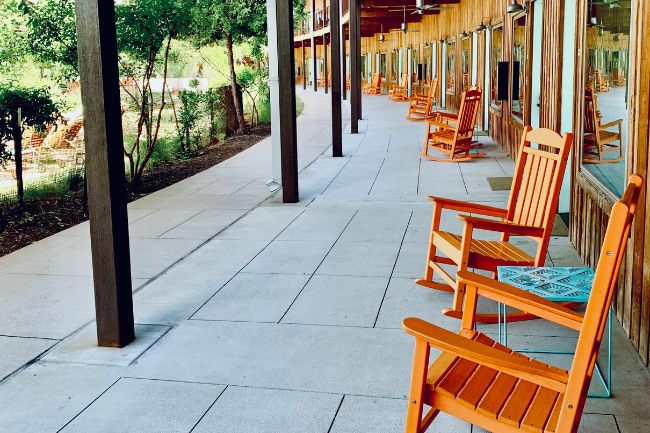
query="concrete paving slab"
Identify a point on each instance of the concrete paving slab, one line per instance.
(289, 257)
(254, 298)
(152, 406)
(204, 225)
(338, 300)
(17, 351)
(380, 415)
(255, 410)
(366, 259)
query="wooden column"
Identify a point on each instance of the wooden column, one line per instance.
(358, 50)
(287, 95)
(109, 233)
(304, 66)
(344, 66)
(335, 46)
(314, 64)
(355, 66)
(325, 81)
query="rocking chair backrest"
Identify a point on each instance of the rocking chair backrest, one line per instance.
(591, 334)
(433, 89)
(467, 114)
(404, 82)
(537, 182)
(591, 112)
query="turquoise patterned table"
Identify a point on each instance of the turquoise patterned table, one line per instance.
(557, 284)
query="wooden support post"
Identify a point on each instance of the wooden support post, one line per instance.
(287, 95)
(325, 81)
(358, 51)
(304, 67)
(335, 46)
(344, 64)
(109, 234)
(314, 63)
(355, 69)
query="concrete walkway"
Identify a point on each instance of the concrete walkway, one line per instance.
(254, 316)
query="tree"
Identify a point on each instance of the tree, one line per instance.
(230, 22)
(145, 31)
(21, 108)
(52, 34)
(12, 36)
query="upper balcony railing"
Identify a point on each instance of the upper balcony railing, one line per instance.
(303, 26)
(322, 19)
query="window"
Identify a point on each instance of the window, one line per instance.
(426, 72)
(466, 62)
(606, 135)
(415, 60)
(519, 68)
(382, 64)
(497, 56)
(394, 65)
(451, 67)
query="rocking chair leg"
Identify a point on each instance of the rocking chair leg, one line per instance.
(418, 379)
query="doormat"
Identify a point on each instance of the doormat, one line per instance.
(500, 183)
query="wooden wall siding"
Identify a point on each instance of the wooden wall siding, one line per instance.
(592, 203)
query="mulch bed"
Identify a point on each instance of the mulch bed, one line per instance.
(43, 217)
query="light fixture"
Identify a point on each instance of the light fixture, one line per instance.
(382, 37)
(515, 8)
(481, 28)
(464, 35)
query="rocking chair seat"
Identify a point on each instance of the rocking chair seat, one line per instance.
(462, 386)
(486, 255)
(445, 137)
(605, 137)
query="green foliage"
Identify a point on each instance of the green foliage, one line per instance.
(189, 114)
(38, 110)
(51, 34)
(13, 44)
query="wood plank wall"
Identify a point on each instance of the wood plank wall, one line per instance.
(590, 202)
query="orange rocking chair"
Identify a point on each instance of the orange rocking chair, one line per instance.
(490, 386)
(600, 139)
(531, 211)
(374, 87)
(421, 107)
(452, 135)
(399, 92)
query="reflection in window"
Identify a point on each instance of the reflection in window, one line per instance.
(519, 68)
(394, 65)
(606, 108)
(451, 67)
(382, 64)
(363, 68)
(427, 65)
(497, 56)
(466, 62)
(415, 60)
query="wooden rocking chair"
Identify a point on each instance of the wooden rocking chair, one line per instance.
(399, 92)
(454, 140)
(488, 385)
(374, 87)
(421, 107)
(600, 139)
(531, 211)
(602, 84)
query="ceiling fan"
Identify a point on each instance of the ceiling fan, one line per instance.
(382, 35)
(609, 3)
(404, 26)
(420, 7)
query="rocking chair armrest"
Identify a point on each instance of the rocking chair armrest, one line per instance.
(522, 300)
(463, 346)
(448, 115)
(464, 206)
(502, 226)
(618, 122)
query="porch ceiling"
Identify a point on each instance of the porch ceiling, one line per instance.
(389, 15)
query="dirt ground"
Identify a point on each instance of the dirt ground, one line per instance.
(46, 216)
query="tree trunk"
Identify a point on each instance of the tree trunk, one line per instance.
(17, 134)
(243, 129)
